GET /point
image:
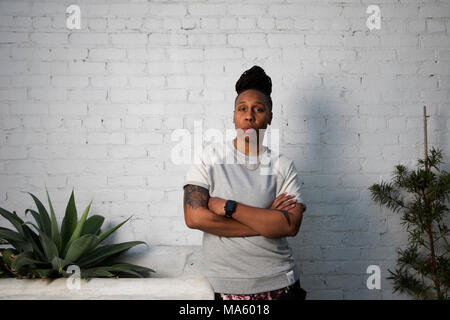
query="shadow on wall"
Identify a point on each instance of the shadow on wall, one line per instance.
(343, 232)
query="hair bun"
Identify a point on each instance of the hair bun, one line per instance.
(254, 78)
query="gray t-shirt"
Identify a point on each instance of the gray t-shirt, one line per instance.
(246, 265)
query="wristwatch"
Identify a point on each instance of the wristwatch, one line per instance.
(230, 207)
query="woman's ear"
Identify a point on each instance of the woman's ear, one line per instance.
(270, 118)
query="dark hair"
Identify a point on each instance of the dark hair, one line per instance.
(255, 78)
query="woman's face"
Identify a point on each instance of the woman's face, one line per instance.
(252, 112)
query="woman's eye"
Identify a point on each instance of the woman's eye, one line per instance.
(244, 108)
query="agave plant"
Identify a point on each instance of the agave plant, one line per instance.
(48, 252)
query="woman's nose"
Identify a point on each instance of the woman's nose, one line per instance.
(249, 116)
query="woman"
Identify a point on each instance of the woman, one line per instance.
(246, 214)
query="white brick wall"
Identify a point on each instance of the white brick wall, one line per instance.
(93, 109)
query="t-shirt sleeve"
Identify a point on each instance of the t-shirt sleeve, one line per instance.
(197, 174)
(291, 184)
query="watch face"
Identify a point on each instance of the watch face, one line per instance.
(229, 206)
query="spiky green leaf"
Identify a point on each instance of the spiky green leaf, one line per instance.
(8, 257)
(106, 251)
(77, 232)
(45, 219)
(36, 217)
(54, 224)
(13, 219)
(58, 264)
(133, 267)
(108, 232)
(44, 273)
(96, 272)
(81, 246)
(25, 259)
(33, 242)
(9, 235)
(69, 222)
(49, 246)
(93, 225)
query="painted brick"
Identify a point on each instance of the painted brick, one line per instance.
(94, 109)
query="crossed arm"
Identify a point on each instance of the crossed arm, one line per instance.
(207, 214)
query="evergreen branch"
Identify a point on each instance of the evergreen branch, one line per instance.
(424, 219)
(385, 194)
(399, 178)
(434, 159)
(441, 190)
(403, 281)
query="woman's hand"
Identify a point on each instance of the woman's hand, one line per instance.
(282, 202)
(217, 205)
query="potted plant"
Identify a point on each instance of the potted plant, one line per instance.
(47, 251)
(424, 266)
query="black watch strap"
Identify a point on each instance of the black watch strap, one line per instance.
(230, 207)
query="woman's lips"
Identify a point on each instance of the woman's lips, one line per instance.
(249, 130)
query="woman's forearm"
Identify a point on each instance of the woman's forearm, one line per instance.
(210, 222)
(267, 222)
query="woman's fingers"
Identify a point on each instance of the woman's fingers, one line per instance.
(281, 201)
(278, 200)
(287, 204)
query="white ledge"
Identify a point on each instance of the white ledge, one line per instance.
(191, 288)
(176, 277)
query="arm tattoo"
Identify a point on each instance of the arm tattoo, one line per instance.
(286, 215)
(195, 196)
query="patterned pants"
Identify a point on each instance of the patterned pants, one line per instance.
(268, 295)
